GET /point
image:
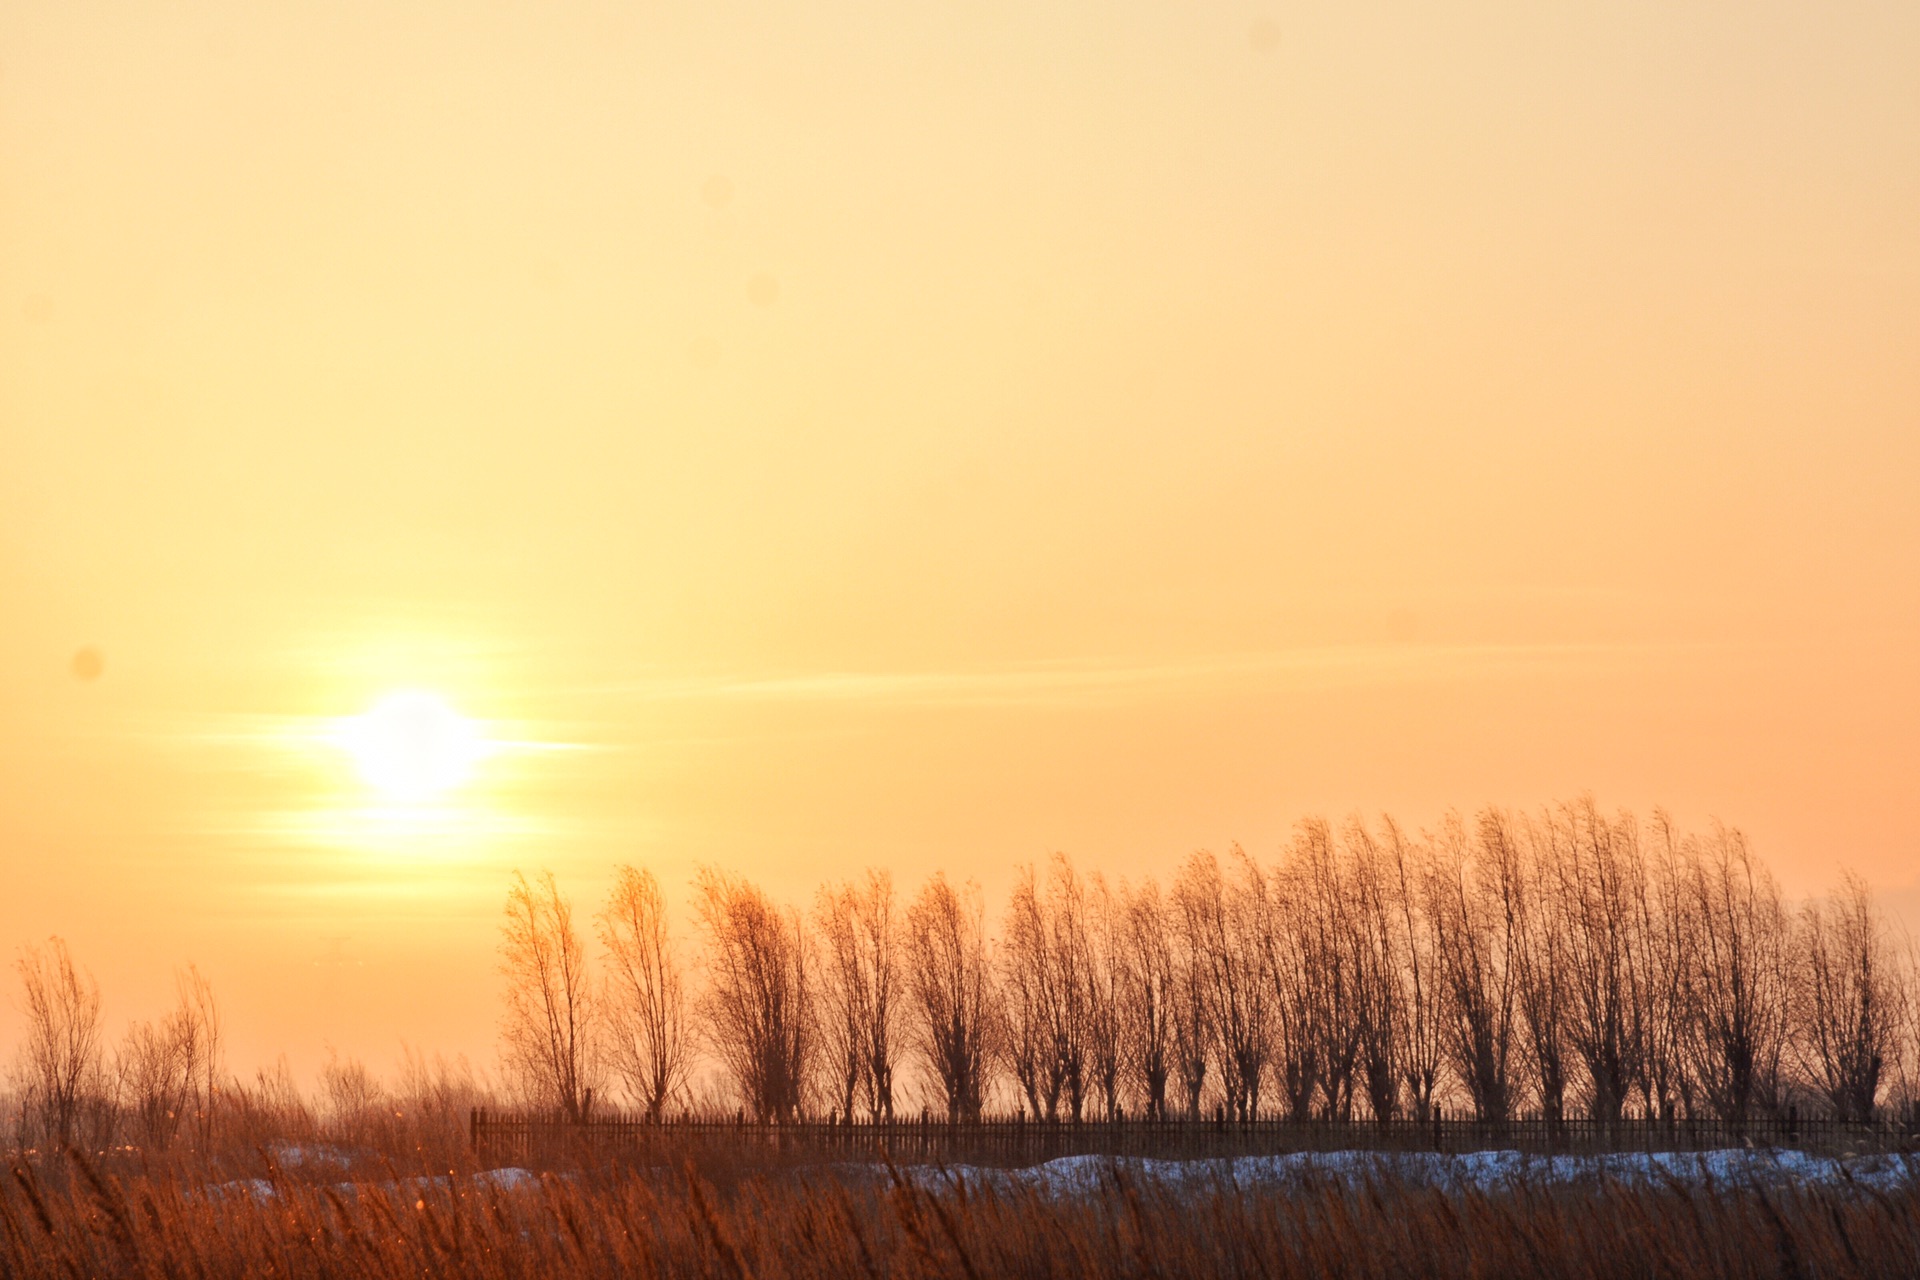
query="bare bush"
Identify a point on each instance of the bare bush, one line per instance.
(167, 1071)
(353, 1105)
(269, 1106)
(436, 1093)
(150, 1071)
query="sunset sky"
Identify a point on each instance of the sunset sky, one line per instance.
(806, 436)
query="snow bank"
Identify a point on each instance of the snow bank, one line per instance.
(1478, 1170)
(260, 1191)
(506, 1180)
(292, 1155)
(255, 1190)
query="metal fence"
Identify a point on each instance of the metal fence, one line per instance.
(534, 1138)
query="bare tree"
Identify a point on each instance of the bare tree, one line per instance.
(1850, 1000)
(1192, 1013)
(878, 934)
(856, 928)
(1047, 969)
(1380, 1011)
(1416, 945)
(1103, 965)
(1672, 949)
(1472, 903)
(62, 1054)
(1593, 886)
(1335, 930)
(1070, 963)
(645, 1002)
(1148, 989)
(1540, 955)
(951, 990)
(1313, 961)
(1565, 960)
(758, 1004)
(843, 997)
(1291, 963)
(1742, 981)
(549, 1029)
(1224, 924)
(1026, 986)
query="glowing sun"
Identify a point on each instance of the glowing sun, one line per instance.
(411, 746)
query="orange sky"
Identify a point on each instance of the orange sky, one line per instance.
(820, 435)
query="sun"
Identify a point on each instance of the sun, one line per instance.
(411, 746)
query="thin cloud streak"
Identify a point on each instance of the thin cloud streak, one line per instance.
(1118, 683)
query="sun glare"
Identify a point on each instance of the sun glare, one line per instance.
(411, 746)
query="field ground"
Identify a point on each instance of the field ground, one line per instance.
(1733, 1214)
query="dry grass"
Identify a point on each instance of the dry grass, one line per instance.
(68, 1219)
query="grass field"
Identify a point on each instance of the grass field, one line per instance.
(64, 1217)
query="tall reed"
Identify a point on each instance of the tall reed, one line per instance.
(67, 1218)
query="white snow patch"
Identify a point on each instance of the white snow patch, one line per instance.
(1477, 1170)
(256, 1190)
(509, 1179)
(292, 1155)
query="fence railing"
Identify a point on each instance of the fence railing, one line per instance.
(1014, 1141)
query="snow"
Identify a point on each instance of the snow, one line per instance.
(261, 1191)
(1479, 1170)
(292, 1155)
(256, 1190)
(507, 1180)
(1484, 1171)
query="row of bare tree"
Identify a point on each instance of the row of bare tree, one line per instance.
(1565, 962)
